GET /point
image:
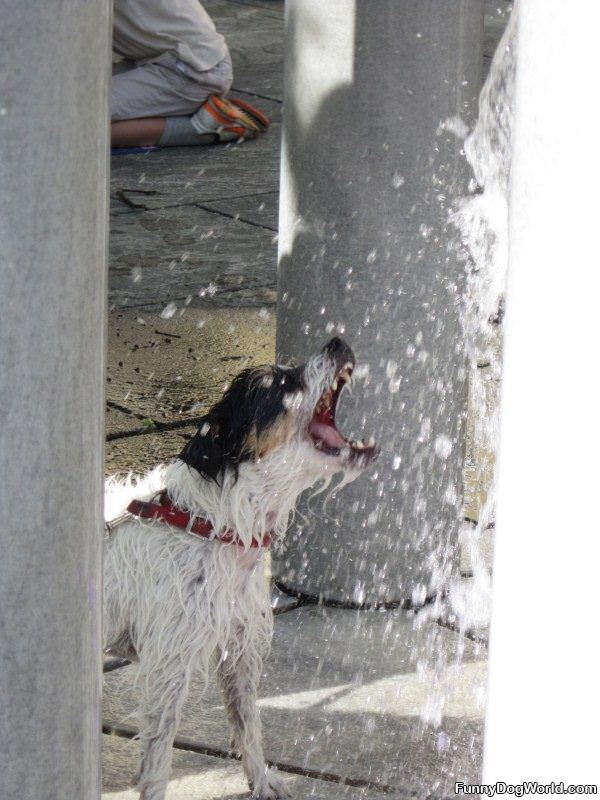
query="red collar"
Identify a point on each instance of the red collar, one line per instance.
(161, 507)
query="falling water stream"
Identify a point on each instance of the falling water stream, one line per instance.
(430, 683)
(482, 222)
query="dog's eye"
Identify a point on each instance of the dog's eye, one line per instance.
(291, 380)
(289, 384)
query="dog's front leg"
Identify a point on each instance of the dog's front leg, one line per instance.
(239, 680)
(164, 691)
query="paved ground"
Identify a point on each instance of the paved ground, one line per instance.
(192, 292)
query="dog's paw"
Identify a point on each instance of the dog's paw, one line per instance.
(271, 787)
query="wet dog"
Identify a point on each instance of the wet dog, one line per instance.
(181, 598)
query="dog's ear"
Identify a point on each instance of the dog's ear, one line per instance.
(220, 441)
(204, 451)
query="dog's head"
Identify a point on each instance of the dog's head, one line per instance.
(276, 416)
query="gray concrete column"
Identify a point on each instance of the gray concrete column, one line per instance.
(369, 171)
(543, 703)
(54, 71)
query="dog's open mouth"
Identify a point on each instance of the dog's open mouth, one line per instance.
(323, 430)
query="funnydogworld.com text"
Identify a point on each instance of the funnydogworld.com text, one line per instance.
(525, 788)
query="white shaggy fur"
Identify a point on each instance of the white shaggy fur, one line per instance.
(182, 604)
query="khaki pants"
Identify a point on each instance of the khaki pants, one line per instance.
(165, 88)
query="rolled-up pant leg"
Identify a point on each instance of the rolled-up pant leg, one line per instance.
(163, 90)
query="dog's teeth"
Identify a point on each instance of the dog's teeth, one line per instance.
(371, 442)
(334, 385)
(360, 445)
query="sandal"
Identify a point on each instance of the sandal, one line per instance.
(228, 121)
(257, 116)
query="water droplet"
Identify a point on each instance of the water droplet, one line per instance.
(442, 446)
(168, 311)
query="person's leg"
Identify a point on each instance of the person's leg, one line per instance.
(217, 120)
(144, 132)
(155, 90)
(143, 98)
(154, 105)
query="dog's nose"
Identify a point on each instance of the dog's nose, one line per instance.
(340, 351)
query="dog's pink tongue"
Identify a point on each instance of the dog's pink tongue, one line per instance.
(327, 434)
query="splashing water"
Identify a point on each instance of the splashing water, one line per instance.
(482, 223)
(482, 220)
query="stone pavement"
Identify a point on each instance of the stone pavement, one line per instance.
(192, 293)
(342, 697)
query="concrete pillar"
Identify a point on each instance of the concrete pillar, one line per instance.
(543, 703)
(54, 63)
(369, 171)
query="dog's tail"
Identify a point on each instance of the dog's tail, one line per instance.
(119, 491)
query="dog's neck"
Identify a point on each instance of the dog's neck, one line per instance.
(255, 502)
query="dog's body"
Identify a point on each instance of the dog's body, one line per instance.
(180, 603)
